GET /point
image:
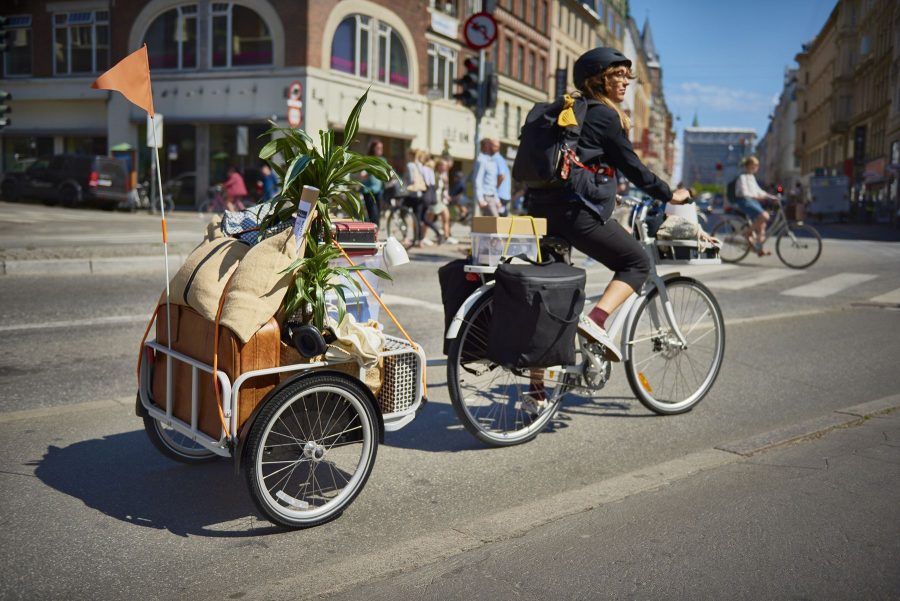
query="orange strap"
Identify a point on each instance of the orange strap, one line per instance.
(165, 232)
(215, 365)
(386, 310)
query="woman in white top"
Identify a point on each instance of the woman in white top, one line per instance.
(441, 206)
(747, 195)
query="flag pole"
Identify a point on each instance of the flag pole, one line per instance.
(165, 234)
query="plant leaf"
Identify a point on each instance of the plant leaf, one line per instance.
(296, 168)
(352, 125)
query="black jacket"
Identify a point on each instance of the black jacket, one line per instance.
(604, 142)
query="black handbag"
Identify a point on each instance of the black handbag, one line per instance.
(535, 314)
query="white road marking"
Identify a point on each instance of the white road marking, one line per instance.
(763, 276)
(405, 301)
(830, 285)
(890, 297)
(74, 323)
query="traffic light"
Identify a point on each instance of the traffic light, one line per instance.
(468, 83)
(490, 86)
(3, 34)
(5, 109)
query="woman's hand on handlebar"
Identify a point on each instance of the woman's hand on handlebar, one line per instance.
(681, 196)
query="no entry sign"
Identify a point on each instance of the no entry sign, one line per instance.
(480, 31)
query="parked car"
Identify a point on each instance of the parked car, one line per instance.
(72, 180)
(10, 181)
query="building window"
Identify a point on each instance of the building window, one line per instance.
(520, 68)
(518, 118)
(532, 13)
(506, 120)
(80, 42)
(240, 37)
(172, 39)
(350, 51)
(531, 66)
(508, 57)
(350, 46)
(544, 10)
(17, 58)
(542, 73)
(393, 66)
(441, 68)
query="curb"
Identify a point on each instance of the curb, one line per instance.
(97, 266)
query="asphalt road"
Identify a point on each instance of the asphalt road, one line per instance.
(90, 509)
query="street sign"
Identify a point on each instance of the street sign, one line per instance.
(158, 121)
(480, 31)
(294, 104)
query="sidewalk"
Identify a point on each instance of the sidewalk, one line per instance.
(814, 520)
(39, 240)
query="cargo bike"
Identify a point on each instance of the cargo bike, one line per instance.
(304, 431)
(672, 342)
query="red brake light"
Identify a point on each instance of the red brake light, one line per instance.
(94, 179)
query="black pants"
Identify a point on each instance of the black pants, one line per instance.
(606, 242)
(373, 202)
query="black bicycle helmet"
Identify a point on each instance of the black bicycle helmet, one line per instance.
(594, 61)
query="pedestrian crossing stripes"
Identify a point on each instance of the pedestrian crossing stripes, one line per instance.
(756, 278)
(830, 285)
(892, 297)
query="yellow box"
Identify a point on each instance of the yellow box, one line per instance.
(500, 225)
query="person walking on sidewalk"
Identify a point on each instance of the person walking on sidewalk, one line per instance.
(581, 212)
(486, 178)
(441, 206)
(504, 177)
(747, 196)
(269, 182)
(373, 188)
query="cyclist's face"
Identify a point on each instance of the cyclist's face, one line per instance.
(616, 80)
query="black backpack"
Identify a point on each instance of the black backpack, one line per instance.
(535, 317)
(543, 144)
(730, 191)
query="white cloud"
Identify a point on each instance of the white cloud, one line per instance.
(691, 96)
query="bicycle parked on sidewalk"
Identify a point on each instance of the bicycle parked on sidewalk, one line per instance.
(673, 343)
(797, 244)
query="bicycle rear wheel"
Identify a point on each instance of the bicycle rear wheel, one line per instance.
(490, 400)
(734, 245)
(799, 245)
(403, 225)
(666, 377)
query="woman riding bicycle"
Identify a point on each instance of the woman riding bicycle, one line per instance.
(581, 211)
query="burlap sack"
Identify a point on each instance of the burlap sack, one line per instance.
(258, 286)
(214, 228)
(200, 281)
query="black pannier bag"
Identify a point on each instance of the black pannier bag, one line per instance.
(456, 287)
(535, 314)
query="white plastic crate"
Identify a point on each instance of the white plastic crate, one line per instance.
(487, 249)
(686, 252)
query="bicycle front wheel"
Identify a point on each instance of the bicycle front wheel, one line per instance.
(734, 245)
(499, 406)
(666, 376)
(799, 245)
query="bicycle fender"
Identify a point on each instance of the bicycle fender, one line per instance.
(648, 289)
(456, 323)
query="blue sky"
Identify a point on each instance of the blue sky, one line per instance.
(725, 59)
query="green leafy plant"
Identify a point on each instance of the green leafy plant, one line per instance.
(314, 277)
(333, 169)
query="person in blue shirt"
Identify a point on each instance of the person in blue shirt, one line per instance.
(504, 177)
(485, 180)
(269, 182)
(373, 188)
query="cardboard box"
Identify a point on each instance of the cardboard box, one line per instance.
(500, 225)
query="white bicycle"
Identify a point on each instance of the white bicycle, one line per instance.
(672, 339)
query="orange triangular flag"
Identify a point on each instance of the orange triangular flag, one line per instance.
(131, 77)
